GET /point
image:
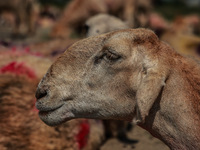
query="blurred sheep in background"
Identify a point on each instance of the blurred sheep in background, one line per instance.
(103, 23)
(25, 13)
(134, 12)
(181, 35)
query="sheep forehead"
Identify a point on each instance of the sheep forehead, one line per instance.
(120, 41)
(99, 40)
(87, 45)
(121, 46)
(123, 34)
(91, 45)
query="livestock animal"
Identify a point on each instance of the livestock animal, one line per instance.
(21, 127)
(25, 12)
(75, 15)
(96, 25)
(126, 75)
(99, 24)
(180, 35)
(52, 48)
(183, 43)
(158, 24)
(186, 24)
(134, 12)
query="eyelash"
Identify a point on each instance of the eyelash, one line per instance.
(107, 56)
(111, 56)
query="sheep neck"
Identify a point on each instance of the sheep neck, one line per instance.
(174, 117)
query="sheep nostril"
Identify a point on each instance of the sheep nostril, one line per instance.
(40, 94)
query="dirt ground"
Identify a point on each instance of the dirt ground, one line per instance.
(143, 141)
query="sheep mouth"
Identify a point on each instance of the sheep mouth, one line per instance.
(48, 111)
(55, 116)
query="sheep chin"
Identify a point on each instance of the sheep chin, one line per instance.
(56, 117)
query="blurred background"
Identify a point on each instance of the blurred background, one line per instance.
(33, 33)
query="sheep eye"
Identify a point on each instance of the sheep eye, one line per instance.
(111, 56)
(107, 56)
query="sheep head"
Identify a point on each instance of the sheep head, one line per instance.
(117, 75)
(99, 24)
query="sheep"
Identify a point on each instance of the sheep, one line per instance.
(74, 16)
(184, 44)
(21, 127)
(31, 60)
(134, 12)
(99, 24)
(125, 75)
(26, 13)
(52, 48)
(180, 35)
(96, 25)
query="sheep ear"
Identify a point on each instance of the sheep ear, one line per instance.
(147, 93)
